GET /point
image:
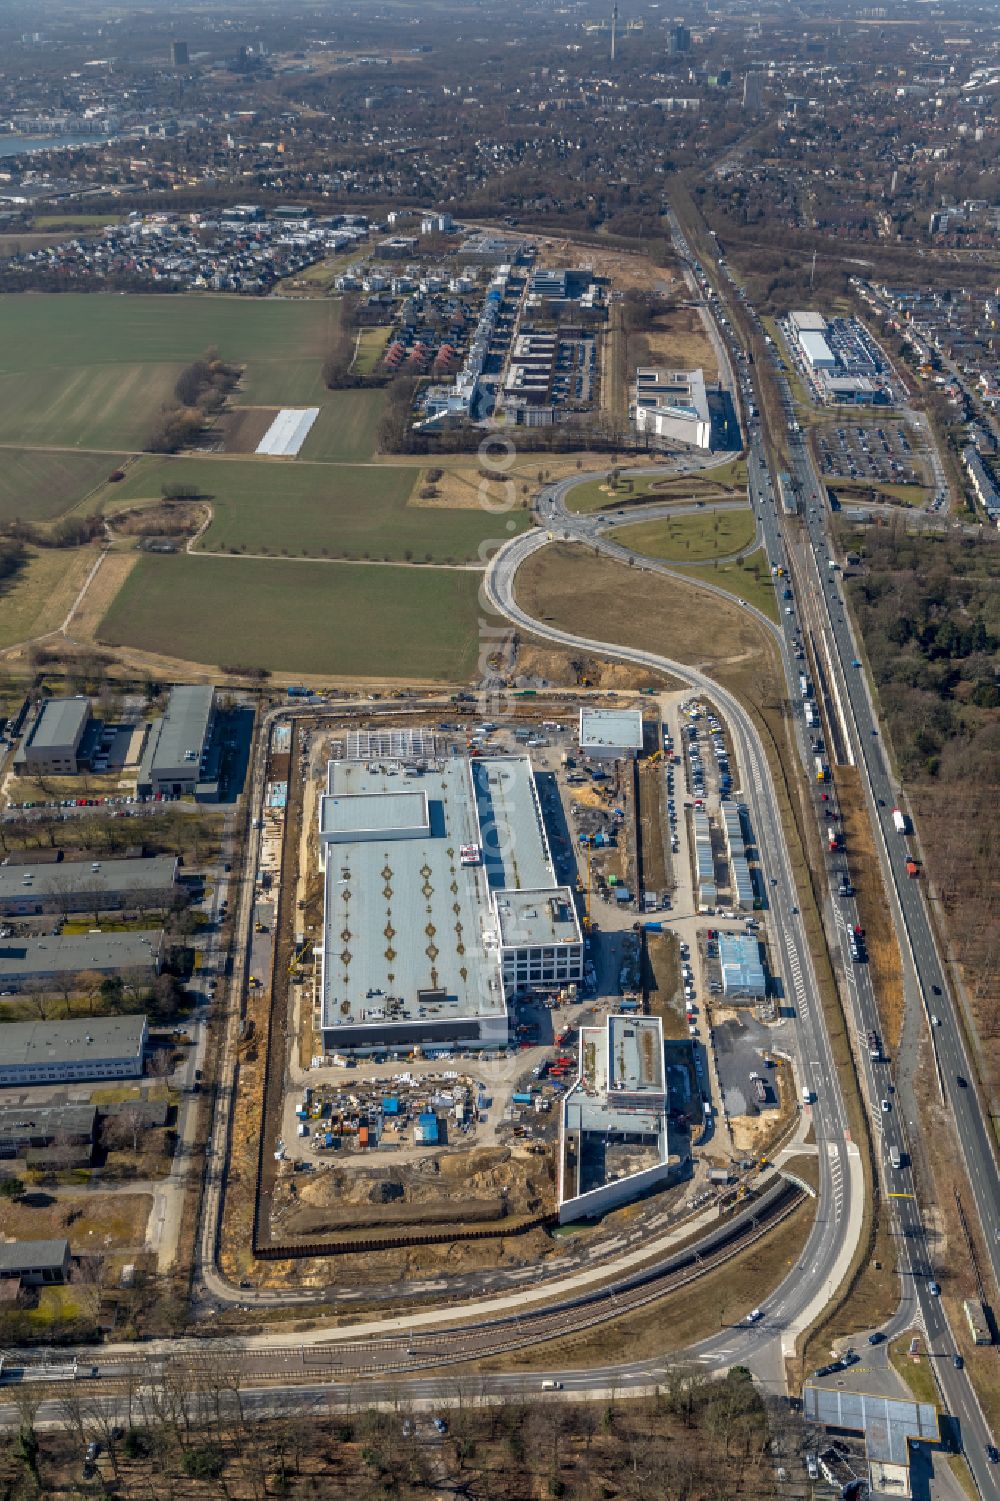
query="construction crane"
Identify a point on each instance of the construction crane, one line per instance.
(298, 957)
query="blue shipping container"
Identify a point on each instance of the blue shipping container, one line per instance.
(521, 1099)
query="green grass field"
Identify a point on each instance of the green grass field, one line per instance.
(37, 486)
(301, 617)
(91, 371)
(690, 539)
(750, 579)
(594, 495)
(344, 431)
(371, 348)
(318, 510)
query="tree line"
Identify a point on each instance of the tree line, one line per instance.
(200, 392)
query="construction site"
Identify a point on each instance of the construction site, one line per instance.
(419, 878)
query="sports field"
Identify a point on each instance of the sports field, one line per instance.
(335, 618)
(90, 370)
(317, 510)
(36, 485)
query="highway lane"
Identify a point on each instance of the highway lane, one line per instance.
(855, 708)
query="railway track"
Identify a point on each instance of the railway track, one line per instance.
(297, 1364)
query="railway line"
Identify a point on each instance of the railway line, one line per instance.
(405, 1355)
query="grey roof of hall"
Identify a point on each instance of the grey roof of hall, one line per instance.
(32, 1043)
(62, 954)
(398, 808)
(530, 917)
(607, 728)
(887, 1423)
(20, 1121)
(60, 722)
(408, 886)
(32, 1255)
(512, 833)
(155, 873)
(635, 1054)
(183, 726)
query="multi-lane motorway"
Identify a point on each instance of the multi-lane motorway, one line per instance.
(818, 621)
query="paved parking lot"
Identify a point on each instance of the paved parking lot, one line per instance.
(739, 1046)
(882, 454)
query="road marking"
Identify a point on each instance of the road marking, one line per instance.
(901, 1196)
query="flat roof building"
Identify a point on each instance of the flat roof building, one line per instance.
(816, 351)
(808, 321)
(890, 1426)
(51, 746)
(34, 1262)
(743, 976)
(440, 901)
(610, 734)
(25, 961)
(87, 885)
(177, 755)
(93, 1047)
(673, 404)
(614, 1142)
(25, 1126)
(635, 1061)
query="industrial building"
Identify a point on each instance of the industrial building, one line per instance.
(440, 898)
(34, 1263)
(614, 1124)
(87, 885)
(816, 351)
(93, 1047)
(610, 734)
(51, 746)
(178, 758)
(33, 961)
(889, 1427)
(673, 404)
(26, 1129)
(743, 976)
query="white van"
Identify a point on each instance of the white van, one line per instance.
(551, 1386)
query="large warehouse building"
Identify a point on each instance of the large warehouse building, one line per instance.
(441, 899)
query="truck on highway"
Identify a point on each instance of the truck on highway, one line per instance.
(805, 687)
(900, 822)
(895, 1157)
(820, 766)
(874, 1047)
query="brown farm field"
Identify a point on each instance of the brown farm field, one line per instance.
(241, 429)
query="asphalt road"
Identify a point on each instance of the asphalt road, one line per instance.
(862, 747)
(839, 1166)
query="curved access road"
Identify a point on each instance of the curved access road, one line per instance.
(826, 1258)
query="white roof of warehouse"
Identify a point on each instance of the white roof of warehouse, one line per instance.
(610, 729)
